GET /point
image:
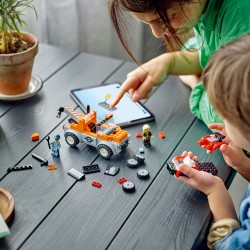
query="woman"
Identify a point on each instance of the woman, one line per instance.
(215, 23)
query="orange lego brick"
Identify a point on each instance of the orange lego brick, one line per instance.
(161, 135)
(52, 167)
(138, 135)
(35, 137)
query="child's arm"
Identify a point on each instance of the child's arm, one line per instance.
(235, 239)
(219, 199)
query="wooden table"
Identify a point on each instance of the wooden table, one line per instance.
(54, 211)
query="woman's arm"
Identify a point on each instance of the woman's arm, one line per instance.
(140, 81)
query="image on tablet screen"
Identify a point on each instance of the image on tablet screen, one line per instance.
(99, 98)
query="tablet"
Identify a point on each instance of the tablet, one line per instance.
(125, 113)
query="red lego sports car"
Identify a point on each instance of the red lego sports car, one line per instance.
(211, 142)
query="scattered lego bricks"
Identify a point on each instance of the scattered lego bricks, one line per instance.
(52, 167)
(96, 184)
(24, 167)
(161, 135)
(122, 180)
(35, 137)
(91, 169)
(76, 174)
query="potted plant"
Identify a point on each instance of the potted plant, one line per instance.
(17, 49)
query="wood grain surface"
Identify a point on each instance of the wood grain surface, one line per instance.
(54, 211)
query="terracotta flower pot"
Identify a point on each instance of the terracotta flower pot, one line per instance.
(16, 68)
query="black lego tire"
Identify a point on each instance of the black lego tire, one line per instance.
(143, 174)
(71, 139)
(132, 163)
(104, 151)
(128, 186)
(139, 158)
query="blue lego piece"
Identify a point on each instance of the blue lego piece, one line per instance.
(141, 150)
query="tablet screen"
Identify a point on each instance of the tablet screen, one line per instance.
(125, 113)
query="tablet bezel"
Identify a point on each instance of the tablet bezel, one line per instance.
(123, 125)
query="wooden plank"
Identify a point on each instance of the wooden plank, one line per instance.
(171, 215)
(38, 114)
(89, 218)
(48, 60)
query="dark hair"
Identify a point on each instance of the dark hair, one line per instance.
(226, 79)
(118, 9)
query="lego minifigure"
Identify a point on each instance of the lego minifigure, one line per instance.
(147, 135)
(55, 145)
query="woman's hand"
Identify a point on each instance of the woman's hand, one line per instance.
(140, 82)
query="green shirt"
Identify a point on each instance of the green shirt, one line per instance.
(222, 22)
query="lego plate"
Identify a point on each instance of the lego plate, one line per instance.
(35, 85)
(6, 204)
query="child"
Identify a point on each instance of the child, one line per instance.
(227, 82)
(215, 22)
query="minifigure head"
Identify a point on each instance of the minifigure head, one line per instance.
(227, 82)
(57, 137)
(146, 128)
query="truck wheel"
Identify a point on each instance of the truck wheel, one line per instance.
(104, 151)
(123, 146)
(71, 139)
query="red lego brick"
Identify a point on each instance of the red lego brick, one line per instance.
(35, 137)
(161, 135)
(96, 184)
(138, 135)
(122, 180)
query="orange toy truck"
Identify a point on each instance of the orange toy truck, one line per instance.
(109, 139)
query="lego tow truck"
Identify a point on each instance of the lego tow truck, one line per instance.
(108, 139)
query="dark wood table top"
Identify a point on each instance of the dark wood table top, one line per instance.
(54, 211)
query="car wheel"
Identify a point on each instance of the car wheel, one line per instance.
(71, 139)
(132, 163)
(104, 151)
(139, 158)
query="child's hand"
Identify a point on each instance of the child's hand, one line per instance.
(191, 155)
(233, 155)
(200, 180)
(235, 158)
(221, 128)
